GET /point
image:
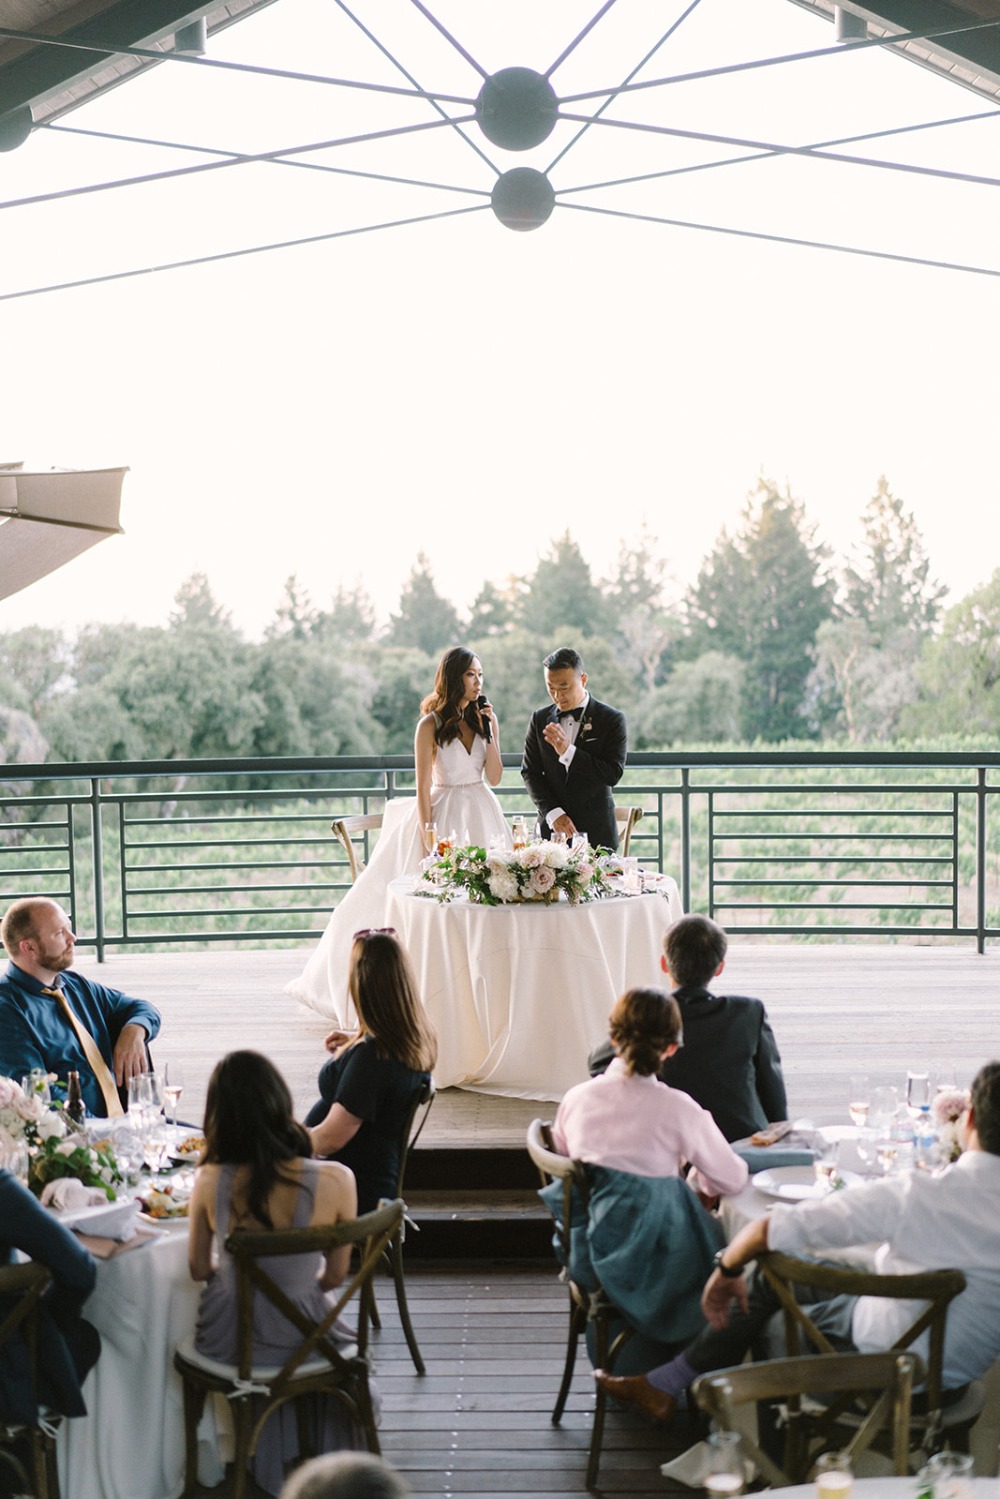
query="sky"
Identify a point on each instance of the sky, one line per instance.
(458, 389)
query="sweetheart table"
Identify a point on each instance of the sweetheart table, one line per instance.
(520, 994)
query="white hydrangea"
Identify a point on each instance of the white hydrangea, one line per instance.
(51, 1126)
(503, 886)
(556, 855)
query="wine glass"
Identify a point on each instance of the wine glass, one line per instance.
(858, 1099)
(173, 1087)
(882, 1107)
(827, 1164)
(918, 1093)
(726, 1473)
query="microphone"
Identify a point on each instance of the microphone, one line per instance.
(481, 703)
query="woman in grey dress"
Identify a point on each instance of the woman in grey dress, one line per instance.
(257, 1173)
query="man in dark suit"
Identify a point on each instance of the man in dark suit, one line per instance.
(574, 752)
(729, 1062)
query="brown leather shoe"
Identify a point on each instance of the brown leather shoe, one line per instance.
(636, 1390)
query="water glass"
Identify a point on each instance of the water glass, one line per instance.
(882, 1107)
(949, 1474)
(834, 1479)
(858, 1100)
(827, 1163)
(726, 1471)
(918, 1093)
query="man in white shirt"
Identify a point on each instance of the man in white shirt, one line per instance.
(922, 1222)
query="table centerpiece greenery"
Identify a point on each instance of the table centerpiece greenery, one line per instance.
(39, 1129)
(539, 872)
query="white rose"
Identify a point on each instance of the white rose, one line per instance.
(51, 1126)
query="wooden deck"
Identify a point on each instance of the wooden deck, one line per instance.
(835, 1009)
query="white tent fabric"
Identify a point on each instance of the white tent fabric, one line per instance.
(47, 519)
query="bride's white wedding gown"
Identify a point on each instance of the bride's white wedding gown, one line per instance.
(461, 802)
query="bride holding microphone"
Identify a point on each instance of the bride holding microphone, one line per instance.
(457, 751)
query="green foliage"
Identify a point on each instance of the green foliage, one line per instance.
(425, 621)
(761, 597)
(561, 599)
(890, 588)
(959, 672)
(698, 704)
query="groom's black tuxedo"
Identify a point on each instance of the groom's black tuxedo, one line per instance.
(583, 791)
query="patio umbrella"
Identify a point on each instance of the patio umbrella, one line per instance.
(47, 519)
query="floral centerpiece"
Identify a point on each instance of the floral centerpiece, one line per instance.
(54, 1146)
(501, 876)
(947, 1110)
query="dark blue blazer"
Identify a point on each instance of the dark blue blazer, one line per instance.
(584, 791)
(67, 1346)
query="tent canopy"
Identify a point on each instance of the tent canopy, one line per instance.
(47, 519)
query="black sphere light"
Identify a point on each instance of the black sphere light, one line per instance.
(517, 109)
(15, 127)
(522, 198)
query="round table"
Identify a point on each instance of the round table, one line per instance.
(520, 994)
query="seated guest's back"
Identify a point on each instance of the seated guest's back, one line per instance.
(629, 1120)
(257, 1173)
(367, 1086)
(68, 1346)
(730, 1062)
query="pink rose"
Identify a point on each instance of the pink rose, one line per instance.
(542, 880)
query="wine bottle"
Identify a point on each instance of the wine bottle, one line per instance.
(75, 1106)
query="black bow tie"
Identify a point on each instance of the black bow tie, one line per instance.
(575, 713)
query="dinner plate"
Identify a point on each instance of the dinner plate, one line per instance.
(797, 1183)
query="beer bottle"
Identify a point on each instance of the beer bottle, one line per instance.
(75, 1106)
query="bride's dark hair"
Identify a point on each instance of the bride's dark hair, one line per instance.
(449, 690)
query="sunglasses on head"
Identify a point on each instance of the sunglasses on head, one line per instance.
(374, 931)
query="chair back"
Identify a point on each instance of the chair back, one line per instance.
(343, 827)
(936, 1288)
(371, 1233)
(626, 818)
(413, 1126)
(555, 1167)
(887, 1379)
(25, 1285)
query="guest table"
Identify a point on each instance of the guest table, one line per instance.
(131, 1442)
(520, 994)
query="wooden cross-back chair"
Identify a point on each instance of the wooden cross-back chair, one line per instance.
(21, 1289)
(416, 1118)
(626, 818)
(315, 1365)
(344, 827)
(936, 1288)
(585, 1304)
(886, 1378)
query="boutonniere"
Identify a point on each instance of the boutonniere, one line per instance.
(586, 727)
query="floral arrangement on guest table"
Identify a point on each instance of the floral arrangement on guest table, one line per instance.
(37, 1135)
(540, 872)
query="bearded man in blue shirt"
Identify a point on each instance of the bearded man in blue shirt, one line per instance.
(61, 1022)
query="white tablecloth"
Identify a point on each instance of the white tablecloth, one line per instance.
(130, 1445)
(521, 994)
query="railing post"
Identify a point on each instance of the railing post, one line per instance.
(98, 846)
(685, 839)
(981, 859)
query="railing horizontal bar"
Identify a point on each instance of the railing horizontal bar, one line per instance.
(23, 873)
(183, 913)
(835, 837)
(872, 929)
(841, 884)
(238, 864)
(266, 934)
(178, 890)
(826, 788)
(59, 893)
(227, 843)
(192, 822)
(819, 905)
(825, 812)
(832, 859)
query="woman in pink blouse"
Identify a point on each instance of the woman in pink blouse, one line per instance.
(629, 1120)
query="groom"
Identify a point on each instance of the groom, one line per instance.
(574, 753)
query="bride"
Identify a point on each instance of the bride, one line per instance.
(457, 742)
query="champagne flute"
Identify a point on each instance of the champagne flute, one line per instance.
(173, 1087)
(858, 1099)
(827, 1164)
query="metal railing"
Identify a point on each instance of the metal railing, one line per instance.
(805, 844)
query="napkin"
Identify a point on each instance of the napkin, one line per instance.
(763, 1157)
(691, 1468)
(67, 1194)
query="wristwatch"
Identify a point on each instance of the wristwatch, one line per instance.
(729, 1271)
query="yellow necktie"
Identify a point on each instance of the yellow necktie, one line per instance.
(98, 1066)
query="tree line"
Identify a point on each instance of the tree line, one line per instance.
(773, 641)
